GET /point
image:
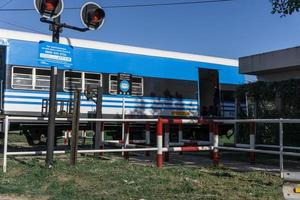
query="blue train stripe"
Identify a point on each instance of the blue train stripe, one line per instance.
(105, 96)
(108, 101)
(111, 106)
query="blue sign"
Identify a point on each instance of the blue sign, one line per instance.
(55, 54)
(124, 86)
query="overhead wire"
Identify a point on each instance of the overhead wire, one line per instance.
(130, 6)
(5, 4)
(24, 27)
(106, 7)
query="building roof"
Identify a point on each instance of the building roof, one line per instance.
(274, 61)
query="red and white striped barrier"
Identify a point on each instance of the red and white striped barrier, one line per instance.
(190, 148)
(130, 141)
(166, 148)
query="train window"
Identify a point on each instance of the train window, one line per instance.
(72, 80)
(22, 78)
(30, 78)
(42, 79)
(113, 84)
(92, 80)
(137, 85)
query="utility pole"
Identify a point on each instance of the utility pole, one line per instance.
(52, 99)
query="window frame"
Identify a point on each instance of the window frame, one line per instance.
(109, 85)
(83, 85)
(33, 77)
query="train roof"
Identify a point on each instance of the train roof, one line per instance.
(33, 37)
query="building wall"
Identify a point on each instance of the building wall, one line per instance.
(279, 76)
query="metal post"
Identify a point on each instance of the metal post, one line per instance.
(211, 138)
(6, 127)
(159, 155)
(180, 136)
(148, 138)
(281, 147)
(123, 124)
(216, 156)
(252, 142)
(52, 102)
(98, 132)
(102, 135)
(126, 142)
(166, 141)
(237, 114)
(75, 127)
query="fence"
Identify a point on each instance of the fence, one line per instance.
(163, 147)
(9, 119)
(252, 145)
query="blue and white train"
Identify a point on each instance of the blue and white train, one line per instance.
(164, 83)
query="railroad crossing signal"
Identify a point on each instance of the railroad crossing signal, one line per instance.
(49, 8)
(92, 16)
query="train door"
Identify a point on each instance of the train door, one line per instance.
(209, 95)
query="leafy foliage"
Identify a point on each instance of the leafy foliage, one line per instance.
(273, 100)
(285, 7)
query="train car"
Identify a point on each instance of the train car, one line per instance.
(164, 83)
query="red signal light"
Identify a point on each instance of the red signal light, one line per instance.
(92, 15)
(50, 5)
(96, 17)
(49, 9)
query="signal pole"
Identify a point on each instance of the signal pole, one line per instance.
(52, 99)
(92, 17)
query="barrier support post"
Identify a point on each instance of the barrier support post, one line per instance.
(6, 127)
(180, 136)
(75, 128)
(147, 137)
(215, 153)
(102, 135)
(211, 138)
(166, 142)
(83, 135)
(252, 143)
(281, 147)
(159, 134)
(126, 143)
(69, 137)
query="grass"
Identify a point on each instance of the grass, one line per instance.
(119, 179)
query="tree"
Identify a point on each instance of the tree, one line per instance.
(285, 7)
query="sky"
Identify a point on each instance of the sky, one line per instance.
(228, 29)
